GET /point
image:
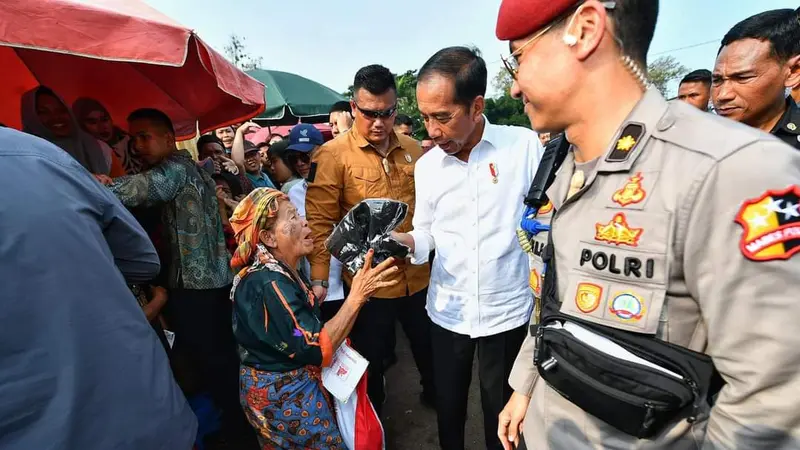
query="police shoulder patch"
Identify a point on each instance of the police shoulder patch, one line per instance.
(771, 225)
(626, 142)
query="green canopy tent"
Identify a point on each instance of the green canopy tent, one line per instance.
(292, 99)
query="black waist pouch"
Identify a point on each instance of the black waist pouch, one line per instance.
(634, 398)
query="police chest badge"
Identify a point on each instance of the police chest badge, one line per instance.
(535, 282)
(627, 307)
(771, 224)
(631, 193)
(618, 232)
(588, 297)
(546, 209)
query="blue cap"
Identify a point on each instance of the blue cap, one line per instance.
(304, 137)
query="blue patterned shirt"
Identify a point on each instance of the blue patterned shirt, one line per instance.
(193, 229)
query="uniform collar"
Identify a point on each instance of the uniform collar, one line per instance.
(790, 121)
(651, 114)
(363, 143)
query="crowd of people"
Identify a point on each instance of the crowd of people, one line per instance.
(224, 255)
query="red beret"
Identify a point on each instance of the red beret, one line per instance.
(520, 18)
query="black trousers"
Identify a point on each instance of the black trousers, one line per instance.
(453, 355)
(201, 321)
(374, 327)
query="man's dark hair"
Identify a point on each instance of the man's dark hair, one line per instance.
(261, 145)
(462, 65)
(153, 115)
(403, 119)
(342, 106)
(376, 79)
(634, 23)
(208, 139)
(780, 27)
(701, 75)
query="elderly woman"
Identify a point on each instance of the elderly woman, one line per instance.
(283, 343)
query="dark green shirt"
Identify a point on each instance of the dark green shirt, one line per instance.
(276, 322)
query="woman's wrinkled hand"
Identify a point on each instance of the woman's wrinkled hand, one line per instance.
(369, 279)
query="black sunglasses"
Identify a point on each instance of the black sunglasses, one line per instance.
(378, 114)
(294, 157)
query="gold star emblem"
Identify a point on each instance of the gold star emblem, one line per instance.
(626, 143)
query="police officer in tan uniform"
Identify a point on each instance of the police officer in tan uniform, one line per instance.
(671, 228)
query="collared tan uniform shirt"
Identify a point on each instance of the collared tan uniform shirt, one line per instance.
(689, 235)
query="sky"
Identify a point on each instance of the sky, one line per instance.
(329, 41)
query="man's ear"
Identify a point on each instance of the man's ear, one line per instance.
(793, 72)
(478, 106)
(590, 26)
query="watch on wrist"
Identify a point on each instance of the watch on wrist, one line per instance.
(320, 283)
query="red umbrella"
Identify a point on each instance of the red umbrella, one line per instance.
(123, 53)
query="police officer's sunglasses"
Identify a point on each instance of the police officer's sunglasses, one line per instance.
(512, 65)
(372, 114)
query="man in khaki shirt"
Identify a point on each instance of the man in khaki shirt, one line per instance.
(372, 161)
(667, 223)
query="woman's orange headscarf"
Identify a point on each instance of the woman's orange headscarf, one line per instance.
(249, 218)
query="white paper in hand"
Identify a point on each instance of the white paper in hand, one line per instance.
(347, 367)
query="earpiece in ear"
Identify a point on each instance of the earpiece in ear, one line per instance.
(570, 39)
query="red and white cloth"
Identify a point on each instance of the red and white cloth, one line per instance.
(358, 421)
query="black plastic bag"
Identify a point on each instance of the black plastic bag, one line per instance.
(367, 226)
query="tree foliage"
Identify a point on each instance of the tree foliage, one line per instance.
(236, 52)
(504, 109)
(664, 70)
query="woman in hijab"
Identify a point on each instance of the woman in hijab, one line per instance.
(45, 115)
(283, 343)
(95, 119)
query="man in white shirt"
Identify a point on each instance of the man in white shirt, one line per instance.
(469, 193)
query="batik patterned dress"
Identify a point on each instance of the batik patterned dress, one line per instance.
(282, 346)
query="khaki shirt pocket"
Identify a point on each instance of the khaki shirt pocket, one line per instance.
(617, 305)
(366, 183)
(407, 171)
(619, 270)
(630, 193)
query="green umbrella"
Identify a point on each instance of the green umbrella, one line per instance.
(291, 98)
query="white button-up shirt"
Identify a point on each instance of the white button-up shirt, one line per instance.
(469, 213)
